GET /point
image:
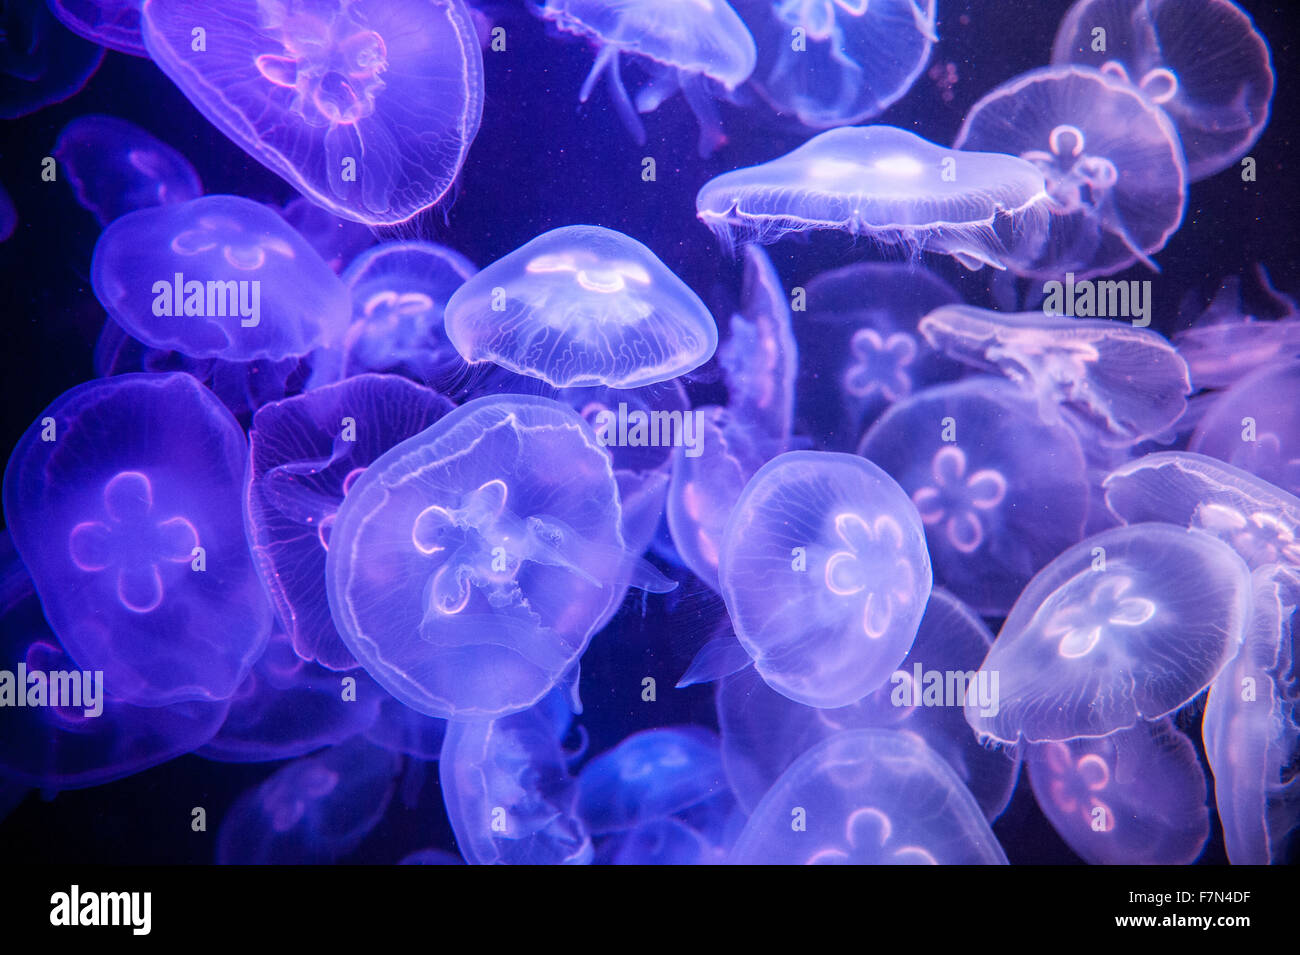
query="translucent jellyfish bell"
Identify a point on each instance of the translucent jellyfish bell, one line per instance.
(825, 575)
(1217, 96)
(889, 185)
(366, 107)
(1255, 426)
(112, 23)
(685, 44)
(582, 306)
(1125, 626)
(1111, 159)
(868, 797)
(40, 61)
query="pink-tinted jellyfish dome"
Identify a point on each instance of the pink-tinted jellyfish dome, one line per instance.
(111, 23)
(1255, 426)
(825, 574)
(1129, 381)
(368, 107)
(466, 572)
(40, 61)
(123, 500)
(217, 277)
(868, 797)
(851, 60)
(1217, 93)
(115, 167)
(582, 306)
(1135, 797)
(1111, 158)
(1219, 355)
(1127, 625)
(999, 491)
(889, 185)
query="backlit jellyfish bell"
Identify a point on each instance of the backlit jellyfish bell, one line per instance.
(123, 500)
(868, 797)
(41, 62)
(582, 306)
(467, 571)
(217, 277)
(366, 107)
(1255, 426)
(691, 45)
(1127, 625)
(888, 185)
(825, 574)
(1218, 95)
(112, 23)
(1111, 158)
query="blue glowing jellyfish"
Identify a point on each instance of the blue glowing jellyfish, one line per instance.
(337, 241)
(673, 841)
(1135, 797)
(825, 575)
(312, 811)
(684, 44)
(999, 492)
(306, 453)
(123, 500)
(886, 184)
(217, 277)
(838, 62)
(368, 108)
(1111, 158)
(112, 23)
(1218, 96)
(868, 797)
(1255, 426)
(40, 62)
(582, 306)
(1127, 625)
(402, 730)
(115, 167)
(467, 572)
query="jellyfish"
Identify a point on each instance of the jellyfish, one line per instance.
(582, 306)
(671, 841)
(1220, 355)
(1129, 381)
(1135, 797)
(838, 63)
(467, 571)
(337, 241)
(1251, 729)
(1111, 158)
(8, 215)
(1218, 96)
(886, 184)
(825, 575)
(115, 167)
(999, 492)
(1125, 626)
(763, 732)
(123, 501)
(41, 63)
(367, 108)
(402, 730)
(868, 797)
(217, 277)
(313, 811)
(111, 23)
(683, 44)
(1255, 426)
(508, 792)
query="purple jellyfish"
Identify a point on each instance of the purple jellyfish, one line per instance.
(40, 62)
(111, 23)
(1255, 426)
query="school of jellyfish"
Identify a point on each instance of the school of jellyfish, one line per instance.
(873, 455)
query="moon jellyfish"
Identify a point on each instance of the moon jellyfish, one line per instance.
(868, 797)
(889, 185)
(115, 167)
(40, 62)
(582, 306)
(1112, 160)
(1135, 797)
(402, 730)
(123, 500)
(509, 795)
(1125, 626)
(825, 575)
(217, 277)
(337, 241)
(368, 108)
(684, 44)
(1130, 381)
(313, 811)
(1255, 426)
(112, 23)
(1218, 95)
(999, 492)
(672, 841)
(467, 572)
(1220, 355)
(1251, 730)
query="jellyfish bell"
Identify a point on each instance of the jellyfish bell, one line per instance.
(111, 23)
(1255, 425)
